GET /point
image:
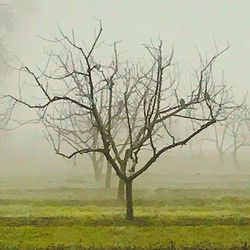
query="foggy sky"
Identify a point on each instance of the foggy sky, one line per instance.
(186, 25)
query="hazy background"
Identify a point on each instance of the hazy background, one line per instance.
(186, 25)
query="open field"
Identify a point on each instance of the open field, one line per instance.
(74, 217)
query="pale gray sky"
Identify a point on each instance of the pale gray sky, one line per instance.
(186, 24)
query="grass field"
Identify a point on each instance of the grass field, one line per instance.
(70, 217)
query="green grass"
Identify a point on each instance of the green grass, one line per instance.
(77, 218)
(30, 237)
(42, 227)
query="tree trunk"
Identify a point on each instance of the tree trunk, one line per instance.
(108, 176)
(101, 163)
(201, 150)
(97, 171)
(221, 155)
(121, 191)
(97, 175)
(121, 187)
(235, 159)
(129, 201)
(191, 149)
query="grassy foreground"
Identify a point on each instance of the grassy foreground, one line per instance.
(216, 224)
(80, 218)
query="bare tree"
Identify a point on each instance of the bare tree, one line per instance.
(142, 97)
(230, 134)
(238, 131)
(220, 140)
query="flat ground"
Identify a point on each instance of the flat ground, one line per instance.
(195, 212)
